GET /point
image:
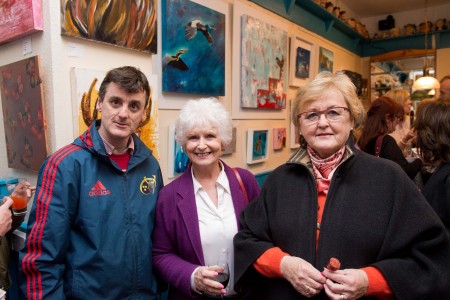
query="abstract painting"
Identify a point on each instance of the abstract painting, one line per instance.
(257, 145)
(326, 60)
(193, 48)
(178, 159)
(85, 84)
(300, 67)
(264, 57)
(19, 18)
(23, 114)
(279, 138)
(129, 24)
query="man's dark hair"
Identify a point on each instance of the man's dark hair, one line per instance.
(129, 78)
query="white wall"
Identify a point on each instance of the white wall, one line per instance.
(56, 63)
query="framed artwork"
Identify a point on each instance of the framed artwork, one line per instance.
(264, 57)
(259, 74)
(294, 134)
(85, 84)
(257, 145)
(326, 60)
(119, 23)
(300, 61)
(231, 148)
(23, 114)
(193, 48)
(178, 159)
(279, 138)
(19, 18)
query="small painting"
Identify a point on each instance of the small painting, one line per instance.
(300, 67)
(193, 48)
(263, 64)
(128, 24)
(279, 138)
(19, 18)
(326, 60)
(178, 159)
(257, 145)
(23, 114)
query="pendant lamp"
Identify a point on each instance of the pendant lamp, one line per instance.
(426, 82)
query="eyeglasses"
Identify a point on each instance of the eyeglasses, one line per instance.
(331, 114)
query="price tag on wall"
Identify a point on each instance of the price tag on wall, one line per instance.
(27, 49)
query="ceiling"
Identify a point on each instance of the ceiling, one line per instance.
(372, 8)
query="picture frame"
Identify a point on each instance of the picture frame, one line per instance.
(326, 60)
(279, 138)
(231, 148)
(257, 145)
(174, 100)
(294, 135)
(237, 111)
(301, 61)
(178, 160)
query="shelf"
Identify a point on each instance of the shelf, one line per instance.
(308, 14)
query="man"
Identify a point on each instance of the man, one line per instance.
(444, 91)
(89, 231)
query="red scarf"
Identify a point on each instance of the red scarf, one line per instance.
(323, 167)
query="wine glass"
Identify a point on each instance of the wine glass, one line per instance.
(224, 276)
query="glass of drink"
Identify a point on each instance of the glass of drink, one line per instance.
(223, 276)
(17, 190)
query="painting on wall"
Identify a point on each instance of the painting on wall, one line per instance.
(263, 64)
(193, 48)
(294, 134)
(279, 138)
(120, 23)
(231, 148)
(23, 114)
(326, 60)
(300, 66)
(257, 145)
(85, 84)
(178, 159)
(19, 18)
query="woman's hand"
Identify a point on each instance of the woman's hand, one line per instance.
(204, 283)
(306, 279)
(346, 284)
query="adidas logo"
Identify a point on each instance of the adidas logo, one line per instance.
(99, 190)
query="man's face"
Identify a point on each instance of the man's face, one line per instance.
(444, 90)
(121, 114)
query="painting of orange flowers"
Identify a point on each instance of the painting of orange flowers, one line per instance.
(130, 24)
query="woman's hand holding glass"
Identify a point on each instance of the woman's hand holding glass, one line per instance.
(303, 276)
(345, 284)
(205, 280)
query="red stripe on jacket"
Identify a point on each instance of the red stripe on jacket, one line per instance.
(34, 240)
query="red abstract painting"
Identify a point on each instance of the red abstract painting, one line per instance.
(19, 18)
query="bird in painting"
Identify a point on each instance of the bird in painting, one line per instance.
(280, 63)
(176, 61)
(195, 26)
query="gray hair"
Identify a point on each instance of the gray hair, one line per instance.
(324, 83)
(202, 113)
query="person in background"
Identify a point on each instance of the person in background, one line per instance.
(382, 117)
(404, 132)
(433, 141)
(89, 230)
(333, 200)
(197, 213)
(8, 223)
(444, 90)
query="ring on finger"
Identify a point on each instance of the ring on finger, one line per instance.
(342, 297)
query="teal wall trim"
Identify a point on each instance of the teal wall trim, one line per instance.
(308, 14)
(261, 177)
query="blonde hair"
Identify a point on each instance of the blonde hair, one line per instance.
(399, 96)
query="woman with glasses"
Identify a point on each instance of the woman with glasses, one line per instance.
(382, 118)
(331, 200)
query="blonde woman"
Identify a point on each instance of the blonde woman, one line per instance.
(403, 133)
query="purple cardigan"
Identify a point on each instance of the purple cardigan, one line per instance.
(177, 249)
